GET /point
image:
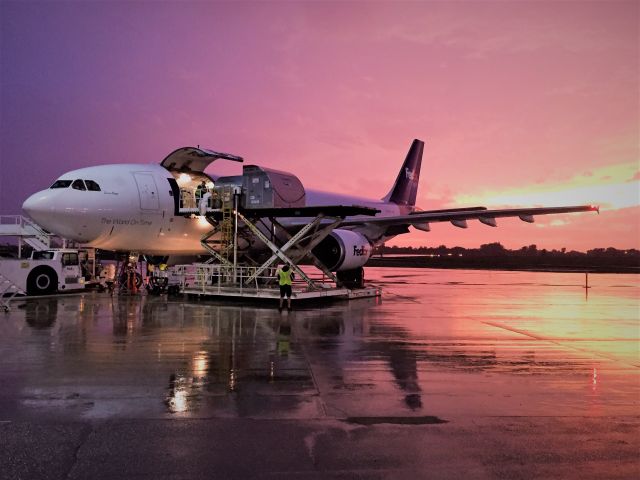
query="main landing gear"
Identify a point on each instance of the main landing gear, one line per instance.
(351, 278)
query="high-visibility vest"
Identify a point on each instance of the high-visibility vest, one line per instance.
(284, 278)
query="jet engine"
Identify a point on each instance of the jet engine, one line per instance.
(343, 250)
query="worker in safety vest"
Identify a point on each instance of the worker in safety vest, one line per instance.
(285, 277)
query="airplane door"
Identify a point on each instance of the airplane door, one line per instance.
(147, 190)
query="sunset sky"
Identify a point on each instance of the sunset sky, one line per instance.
(519, 103)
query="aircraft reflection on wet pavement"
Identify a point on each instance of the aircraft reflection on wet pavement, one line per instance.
(472, 349)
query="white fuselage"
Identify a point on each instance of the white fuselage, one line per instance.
(134, 210)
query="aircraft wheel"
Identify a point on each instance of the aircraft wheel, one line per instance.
(124, 281)
(42, 281)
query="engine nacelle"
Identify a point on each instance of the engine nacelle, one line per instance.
(343, 250)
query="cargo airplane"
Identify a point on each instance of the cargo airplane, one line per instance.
(155, 209)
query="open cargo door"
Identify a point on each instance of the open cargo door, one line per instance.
(192, 159)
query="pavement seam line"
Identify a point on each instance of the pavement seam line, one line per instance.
(88, 431)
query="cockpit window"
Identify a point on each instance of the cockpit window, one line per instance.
(78, 185)
(92, 186)
(61, 184)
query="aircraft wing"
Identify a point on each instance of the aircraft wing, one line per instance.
(458, 217)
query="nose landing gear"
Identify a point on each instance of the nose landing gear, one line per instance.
(129, 280)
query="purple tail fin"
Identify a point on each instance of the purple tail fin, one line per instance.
(405, 189)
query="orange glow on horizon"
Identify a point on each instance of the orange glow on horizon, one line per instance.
(612, 188)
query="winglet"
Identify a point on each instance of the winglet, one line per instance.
(405, 188)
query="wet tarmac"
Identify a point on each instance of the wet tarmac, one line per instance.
(468, 374)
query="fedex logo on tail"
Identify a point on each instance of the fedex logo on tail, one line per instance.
(410, 174)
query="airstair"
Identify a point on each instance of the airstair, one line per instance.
(26, 231)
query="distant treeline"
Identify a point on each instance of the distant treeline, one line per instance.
(495, 256)
(488, 256)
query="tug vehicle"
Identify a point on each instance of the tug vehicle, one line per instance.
(45, 272)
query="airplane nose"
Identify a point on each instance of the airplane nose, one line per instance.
(54, 211)
(38, 206)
